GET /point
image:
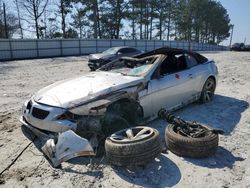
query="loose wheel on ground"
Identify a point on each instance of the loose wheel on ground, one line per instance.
(133, 146)
(191, 147)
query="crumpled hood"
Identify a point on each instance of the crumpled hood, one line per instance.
(71, 92)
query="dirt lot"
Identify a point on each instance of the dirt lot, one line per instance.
(230, 167)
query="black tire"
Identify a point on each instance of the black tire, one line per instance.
(191, 147)
(208, 89)
(132, 153)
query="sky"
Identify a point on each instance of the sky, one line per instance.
(239, 13)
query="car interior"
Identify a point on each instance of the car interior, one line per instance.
(173, 63)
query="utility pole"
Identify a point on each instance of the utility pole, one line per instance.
(232, 26)
(5, 22)
(133, 21)
(45, 24)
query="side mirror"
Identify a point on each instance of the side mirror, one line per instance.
(119, 53)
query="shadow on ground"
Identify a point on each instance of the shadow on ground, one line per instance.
(223, 112)
(222, 158)
(161, 173)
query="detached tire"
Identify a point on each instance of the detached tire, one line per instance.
(133, 146)
(191, 147)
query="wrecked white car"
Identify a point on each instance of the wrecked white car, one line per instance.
(121, 94)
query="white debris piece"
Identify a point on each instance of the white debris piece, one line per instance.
(68, 146)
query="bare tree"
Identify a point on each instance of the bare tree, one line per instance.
(19, 18)
(79, 20)
(64, 8)
(35, 9)
(10, 28)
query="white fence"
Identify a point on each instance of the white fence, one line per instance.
(33, 48)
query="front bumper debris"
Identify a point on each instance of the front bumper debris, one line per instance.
(39, 133)
(68, 146)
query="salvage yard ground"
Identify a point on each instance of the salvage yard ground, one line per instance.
(229, 167)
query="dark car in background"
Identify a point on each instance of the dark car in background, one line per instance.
(247, 48)
(100, 59)
(240, 47)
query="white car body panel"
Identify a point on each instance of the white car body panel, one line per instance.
(70, 92)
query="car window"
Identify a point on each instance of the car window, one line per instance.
(131, 50)
(127, 50)
(111, 51)
(131, 66)
(173, 63)
(191, 61)
(124, 50)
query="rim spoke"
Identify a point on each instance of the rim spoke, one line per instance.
(209, 86)
(141, 133)
(130, 133)
(207, 97)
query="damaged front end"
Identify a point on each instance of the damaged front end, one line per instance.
(80, 129)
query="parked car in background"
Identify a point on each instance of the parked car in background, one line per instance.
(100, 59)
(240, 47)
(247, 48)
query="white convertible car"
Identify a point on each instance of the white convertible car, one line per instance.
(122, 93)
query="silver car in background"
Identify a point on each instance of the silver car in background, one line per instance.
(127, 91)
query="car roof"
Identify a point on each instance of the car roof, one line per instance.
(167, 51)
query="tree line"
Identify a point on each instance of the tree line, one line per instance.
(204, 21)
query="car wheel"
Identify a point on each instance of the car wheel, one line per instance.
(191, 147)
(207, 92)
(133, 146)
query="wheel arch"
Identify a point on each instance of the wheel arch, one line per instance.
(127, 100)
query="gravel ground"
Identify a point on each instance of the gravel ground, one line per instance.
(229, 167)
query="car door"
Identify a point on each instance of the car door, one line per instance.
(197, 72)
(170, 91)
